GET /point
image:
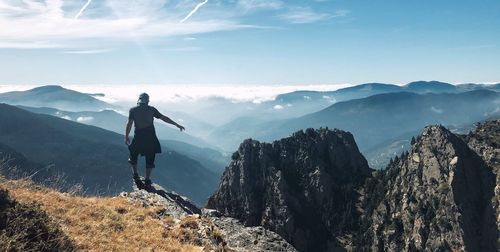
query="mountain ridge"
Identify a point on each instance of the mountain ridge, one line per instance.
(54, 96)
(376, 118)
(440, 195)
(296, 186)
(435, 197)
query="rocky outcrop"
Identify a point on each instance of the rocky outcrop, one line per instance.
(316, 191)
(241, 238)
(217, 232)
(304, 187)
(437, 197)
(485, 141)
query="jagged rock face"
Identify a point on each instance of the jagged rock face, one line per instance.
(435, 198)
(243, 239)
(304, 187)
(485, 141)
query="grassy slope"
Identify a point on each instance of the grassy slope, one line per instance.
(113, 223)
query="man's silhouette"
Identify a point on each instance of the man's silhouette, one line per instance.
(145, 142)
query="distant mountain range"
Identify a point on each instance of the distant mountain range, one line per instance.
(55, 97)
(66, 101)
(369, 89)
(375, 119)
(221, 111)
(299, 103)
(372, 106)
(94, 157)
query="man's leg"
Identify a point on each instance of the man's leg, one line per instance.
(134, 170)
(133, 163)
(148, 173)
(150, 164)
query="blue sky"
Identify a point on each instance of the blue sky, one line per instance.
(248, 42)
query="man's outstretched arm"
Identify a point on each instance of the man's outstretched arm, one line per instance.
(127, 131)
(170, 121)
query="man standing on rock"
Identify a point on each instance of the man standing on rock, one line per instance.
(145, 142)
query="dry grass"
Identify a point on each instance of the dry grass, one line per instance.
(114, 224)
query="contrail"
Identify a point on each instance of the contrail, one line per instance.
(82, 9)
(194, 11)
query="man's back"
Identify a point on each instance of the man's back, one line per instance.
(143, 116)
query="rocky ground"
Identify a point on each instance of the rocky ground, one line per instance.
(224, 233)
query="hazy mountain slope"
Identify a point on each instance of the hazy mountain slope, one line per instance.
(378, 118)
(379, 156)
(55, 97)
(430, 87)
(13, 163)
(111, 120)
(472, 86)
(93, 156)
(299, 103)
(229, 135)
(223, 111)
(291, 105)
(358, 92)
(211, 159)
(374, 115)
(196, 126)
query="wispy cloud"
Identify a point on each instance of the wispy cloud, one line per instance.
(94, 51)
(69, 24)
(251, 5)
(306, 15)
(29, 44)
(198, 6)
(84, 119)
(436, 110)
(51, 24)
(83, 9)
(183, 49)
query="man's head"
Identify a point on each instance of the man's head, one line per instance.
(143, 99)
